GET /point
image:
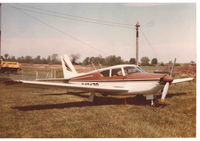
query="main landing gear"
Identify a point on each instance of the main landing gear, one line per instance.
(91, 97)
(153, 99)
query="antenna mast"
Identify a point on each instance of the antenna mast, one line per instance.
(137, 47)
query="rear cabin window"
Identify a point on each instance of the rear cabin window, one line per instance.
(105, 73)
(117, 72)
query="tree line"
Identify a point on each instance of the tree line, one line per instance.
(75, 58)
(51, 59)
(116, 60)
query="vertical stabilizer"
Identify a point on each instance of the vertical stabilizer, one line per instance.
(68, 69)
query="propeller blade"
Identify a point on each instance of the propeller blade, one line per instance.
(166, 87)
(165, 90)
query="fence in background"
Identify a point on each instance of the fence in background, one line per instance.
(34, 75)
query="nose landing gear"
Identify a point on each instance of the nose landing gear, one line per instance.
(153, 99)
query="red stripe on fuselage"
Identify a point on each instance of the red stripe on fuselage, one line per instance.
(97, 76)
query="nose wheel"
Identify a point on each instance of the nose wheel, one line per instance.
(153, 99)
(154, 102)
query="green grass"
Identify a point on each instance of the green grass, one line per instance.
(40, 112)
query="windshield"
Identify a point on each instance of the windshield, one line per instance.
(132, 69)
(140, 69)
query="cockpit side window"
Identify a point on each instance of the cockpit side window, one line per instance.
(117, 72)
(105, 73)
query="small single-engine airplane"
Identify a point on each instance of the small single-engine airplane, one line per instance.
(115, 80)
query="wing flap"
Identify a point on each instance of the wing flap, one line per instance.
(74, 86)
(182, 80)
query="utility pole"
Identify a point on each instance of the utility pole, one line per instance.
(137, 47)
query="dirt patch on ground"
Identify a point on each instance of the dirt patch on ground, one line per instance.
(183, 69)
(79, 68)
(42, 66)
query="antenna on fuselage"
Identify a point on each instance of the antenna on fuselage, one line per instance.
(137, 47)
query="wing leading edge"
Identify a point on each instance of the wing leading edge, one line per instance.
(74, 86)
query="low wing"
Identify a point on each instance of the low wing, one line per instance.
(53, 80)
(181, 80)
(74, 86)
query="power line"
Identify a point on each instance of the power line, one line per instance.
(58, 30)
(75, 18)
(148, 42)
(105, 21)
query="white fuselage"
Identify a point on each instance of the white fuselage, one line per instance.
(134, 87)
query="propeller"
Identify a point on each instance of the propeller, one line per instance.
(166, 87)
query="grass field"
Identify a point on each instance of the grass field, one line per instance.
(40, 112)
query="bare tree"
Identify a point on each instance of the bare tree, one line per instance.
(75, 58)
(54, 58)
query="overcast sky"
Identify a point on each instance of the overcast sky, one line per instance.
(167, 30)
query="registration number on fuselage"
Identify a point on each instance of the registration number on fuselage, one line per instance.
(90, 84)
